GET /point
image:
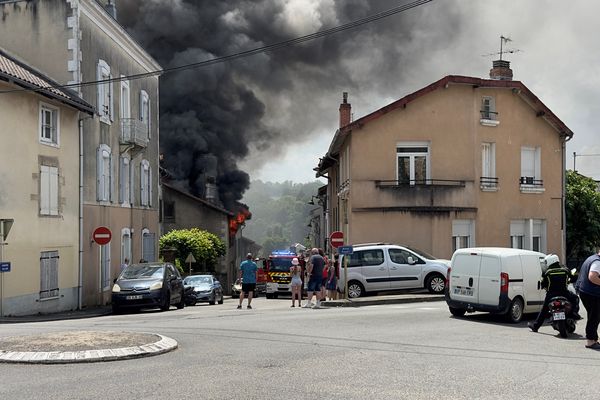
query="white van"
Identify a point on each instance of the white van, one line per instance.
(497, 280)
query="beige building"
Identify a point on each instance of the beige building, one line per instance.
(462, 162)
(79, 41)
(39, 191)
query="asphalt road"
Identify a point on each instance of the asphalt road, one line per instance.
(412, 351)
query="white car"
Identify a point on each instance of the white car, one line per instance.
(378, 267)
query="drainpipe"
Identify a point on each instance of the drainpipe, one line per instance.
(80, 273)
(564, 139)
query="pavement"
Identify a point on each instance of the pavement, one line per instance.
(96, 346)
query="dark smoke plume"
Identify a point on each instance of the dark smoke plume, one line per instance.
(213, 117)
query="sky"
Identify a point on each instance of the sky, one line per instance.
(271, 116)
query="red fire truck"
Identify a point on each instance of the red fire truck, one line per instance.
(278, 272)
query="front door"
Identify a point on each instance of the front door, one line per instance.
(403, 274)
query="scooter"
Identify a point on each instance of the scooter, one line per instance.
(560, 313)
(188, 296)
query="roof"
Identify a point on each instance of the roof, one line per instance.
(198, 199)
(541, 109)
(22, 75)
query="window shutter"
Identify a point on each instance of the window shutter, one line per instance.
(100, 88)
(142, 184)
(44, 190)
(99, 175)
(131, 183)
(141, 110)
(122, 180)
(111, 178)
(110, 98)
(149, 118)
(527, 162)
(149, 186)
(53, 193)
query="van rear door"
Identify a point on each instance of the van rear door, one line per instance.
(489, 280)
(464, 282)
(532, 291)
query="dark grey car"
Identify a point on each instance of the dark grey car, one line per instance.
(148, 285)
(206, 288)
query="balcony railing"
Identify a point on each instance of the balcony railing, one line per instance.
(531, 181)
(418, 182)
(488, 182)
(134, 131)
(344, 187)
(489, 115)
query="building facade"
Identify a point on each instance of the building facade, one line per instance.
(462, 162)
(79, 42)
(39, 191)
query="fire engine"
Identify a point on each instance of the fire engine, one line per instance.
(278, 272)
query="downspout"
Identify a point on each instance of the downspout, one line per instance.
(564, 139)
(80, 257)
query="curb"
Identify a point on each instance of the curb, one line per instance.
(164, 345)
(78, 314)
(378, 301)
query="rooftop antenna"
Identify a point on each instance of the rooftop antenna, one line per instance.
(503, 41)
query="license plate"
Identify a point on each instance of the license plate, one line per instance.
(136, 297)
(463, 292)
(557, 316)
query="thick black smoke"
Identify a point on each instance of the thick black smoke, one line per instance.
(213, 117)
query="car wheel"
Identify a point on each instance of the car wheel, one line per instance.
(181, 303)
(213, 301)
(190, 303)
(166, 303)
(222, 299)
(435, 283)
(571, 326)
(515, 311)
(457, 312)
(355, 289)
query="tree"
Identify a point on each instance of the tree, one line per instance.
(582, 204)
(205, 246)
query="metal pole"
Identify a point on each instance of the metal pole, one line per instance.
(346, 277)
(1, 273)
(574, 156)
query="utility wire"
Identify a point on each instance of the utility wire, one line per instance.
(243, 54)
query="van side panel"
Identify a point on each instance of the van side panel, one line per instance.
(464, 282)
(532, 273)
(489, 280)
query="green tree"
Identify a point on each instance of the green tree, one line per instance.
(582, 204)
(205, 246)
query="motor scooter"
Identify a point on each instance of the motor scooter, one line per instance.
(188, 296)
(560, 314)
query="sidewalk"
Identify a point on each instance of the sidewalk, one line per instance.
(75, 314)
(384, 299)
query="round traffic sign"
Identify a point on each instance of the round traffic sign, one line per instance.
(336, 239)
(102, 235)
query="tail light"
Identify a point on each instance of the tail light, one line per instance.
(504, 282)
(448, 277)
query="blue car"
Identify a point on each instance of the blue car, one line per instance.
(206, 288)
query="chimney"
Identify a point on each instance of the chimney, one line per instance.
(111, 8)
(345, 111)
(501, 70)
(211, 193)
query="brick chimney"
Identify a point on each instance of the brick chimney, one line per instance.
(345, 111)
(501, 70)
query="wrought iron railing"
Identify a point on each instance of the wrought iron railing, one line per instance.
(488, 182)
(134, 131)
(490, 115)
(531, 181)
(419, 182)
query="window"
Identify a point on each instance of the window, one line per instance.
(169, 210)
(531, 177)
(400, 256)
(366, 257)
(124, 181)
(105, 92)
(463, 234)
(105, 267)
(125, 245)
(49, 124)
(529, 234)
(488, 108)
(488, 181)
(48, 190)
(125, 100)
(413, 163)
(148, 245)
(145, 110)
(104, 173)
(145, 183)
(49, 275)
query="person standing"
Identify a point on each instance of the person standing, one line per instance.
(332, 281)
(247, 273)
(296, 283)
(315, 272)
(125, 264)
(588, 287)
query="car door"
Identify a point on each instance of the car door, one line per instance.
(175, 282)
(402, 273)
(374, 269)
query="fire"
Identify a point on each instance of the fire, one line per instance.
(239, 219)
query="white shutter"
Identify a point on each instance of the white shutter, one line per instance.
(100, 174)
(527, 162)
(110, 98)
(53, 193)
(100, 88)
(142, 185)
(44, 190)
(131, 183)
(485, 160)
(149, 186)
(111, 178)
(122, 180)
(148, 118)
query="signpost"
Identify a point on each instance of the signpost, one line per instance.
(5, 266)
(336, 239)
(102, 235)
(190, 259)
(5, 225)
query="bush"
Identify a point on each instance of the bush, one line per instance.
(204, 246)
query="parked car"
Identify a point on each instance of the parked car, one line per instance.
(497, 280)
(148, 285)
(378, 267)
(207, 288)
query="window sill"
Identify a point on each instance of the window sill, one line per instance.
(489, 188)
(50, 298)
(49, 144)
(531, 189)
(489, 122)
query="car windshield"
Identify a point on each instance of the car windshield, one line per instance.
(143, 272)
(280, 264)
(197, 280)
(422, 253)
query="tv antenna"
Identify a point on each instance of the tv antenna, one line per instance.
(503, 41)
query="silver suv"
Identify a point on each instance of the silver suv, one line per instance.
(378, 267)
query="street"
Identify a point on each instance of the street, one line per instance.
(413, 351)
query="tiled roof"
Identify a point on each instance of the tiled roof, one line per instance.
(26, 77)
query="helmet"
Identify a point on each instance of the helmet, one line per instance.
(551, 259)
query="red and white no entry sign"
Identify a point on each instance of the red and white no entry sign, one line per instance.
(336, 239)
(102, 235)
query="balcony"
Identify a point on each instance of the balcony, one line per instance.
(419, 182)
(528, 184)
(488, 183)
(134, 132)
(489, 118)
